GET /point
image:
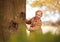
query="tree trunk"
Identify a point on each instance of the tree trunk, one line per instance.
(8, 10)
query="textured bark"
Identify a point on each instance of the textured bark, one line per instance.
(8, 10)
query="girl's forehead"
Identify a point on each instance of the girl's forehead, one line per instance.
(39, 12)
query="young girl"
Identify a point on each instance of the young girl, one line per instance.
(35, 22)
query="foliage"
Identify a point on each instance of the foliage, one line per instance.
(52, 4)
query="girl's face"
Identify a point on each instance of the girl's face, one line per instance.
(38, 14)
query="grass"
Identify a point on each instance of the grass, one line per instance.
(20, 36)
